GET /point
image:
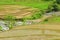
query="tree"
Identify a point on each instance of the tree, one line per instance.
(55, 7)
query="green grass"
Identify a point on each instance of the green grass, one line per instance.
(41, 5)
(0, 28)
(31, 3)
(52, 20)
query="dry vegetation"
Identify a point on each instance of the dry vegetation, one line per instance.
(33, 32)
(16, 10)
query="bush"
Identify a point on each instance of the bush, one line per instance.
(53, 7)
(58, 1)
(37, 15)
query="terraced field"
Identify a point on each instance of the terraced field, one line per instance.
(16, 10)
(32, 32)
(28, 32)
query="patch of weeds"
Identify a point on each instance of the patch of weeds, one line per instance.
(35, 16)
(10, 20)
(58, 1)
(45, 21)
(32, 17)
(55, 7)
(38, 15)
(0, 28)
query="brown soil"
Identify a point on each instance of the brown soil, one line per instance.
(28, 32)
(32, 32)
(16, 10)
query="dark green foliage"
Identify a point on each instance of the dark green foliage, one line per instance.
(55, 7)
(21, 19)
(45, 20)
(9, 17)
(37, 15)
(49, 9)
(47, 0)
(58, 1)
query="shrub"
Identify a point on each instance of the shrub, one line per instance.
(52, 7)
(55, 7)
(58, 1)
(9, 17)
(37, 15)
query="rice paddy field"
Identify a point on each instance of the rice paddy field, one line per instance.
(39, 22)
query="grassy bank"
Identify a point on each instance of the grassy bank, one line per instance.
(40, 4)
(31, 3)
(52, 20)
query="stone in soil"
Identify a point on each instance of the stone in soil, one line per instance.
(19, 23)
(4, 27)
(28, 22)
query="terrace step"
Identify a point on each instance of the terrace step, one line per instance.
(15, 10)
(32, 32)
